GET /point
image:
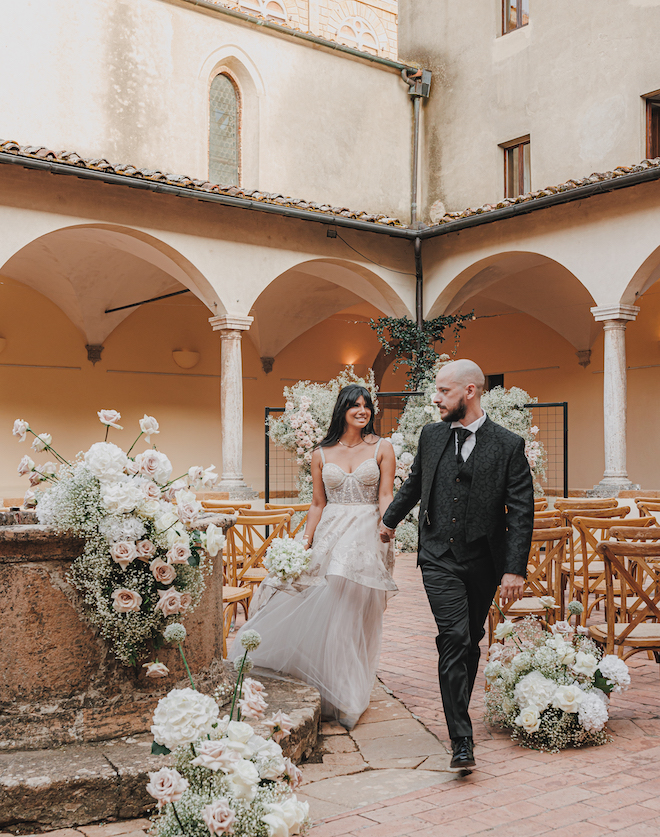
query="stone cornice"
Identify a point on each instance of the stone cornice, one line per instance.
(615, 312)
(231, 322)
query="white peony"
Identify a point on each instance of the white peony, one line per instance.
(503, 629)
(106, 461)
(615, 672)
(182, 717)
(529, 718)
(592, 712)
(149, 426)
(585, 664)
(534, 690)
(120, 497)
(155, 465)
(568, 698)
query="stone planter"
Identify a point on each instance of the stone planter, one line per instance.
(59, 682)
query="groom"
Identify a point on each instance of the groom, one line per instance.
(475, 529)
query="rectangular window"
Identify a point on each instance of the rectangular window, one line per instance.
(653, 126)
(517, 168)
(493, 381)
(515, 14)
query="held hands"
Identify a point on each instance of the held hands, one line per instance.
(511, 587)
(386, 535)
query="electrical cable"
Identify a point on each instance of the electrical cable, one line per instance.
(391, 269)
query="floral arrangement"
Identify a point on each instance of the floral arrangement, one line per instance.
(226, 779)
(306, 420)
(551, 688)
(287, 558)
(143, 562)
(505, 407)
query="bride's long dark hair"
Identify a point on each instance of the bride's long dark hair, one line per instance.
(346, 399)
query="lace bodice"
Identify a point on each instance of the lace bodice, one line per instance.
(359, 487)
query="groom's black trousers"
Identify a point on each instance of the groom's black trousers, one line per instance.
(460, 595)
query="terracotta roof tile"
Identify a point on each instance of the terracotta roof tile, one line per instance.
(183, 181)
(596, 177)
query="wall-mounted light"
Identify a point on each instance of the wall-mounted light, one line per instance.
(3, 343)
(185, 358)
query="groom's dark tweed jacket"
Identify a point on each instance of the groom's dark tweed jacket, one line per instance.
(500, 506)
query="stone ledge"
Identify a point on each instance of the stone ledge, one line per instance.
(80, 784)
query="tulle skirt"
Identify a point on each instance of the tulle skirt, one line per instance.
(326, 628)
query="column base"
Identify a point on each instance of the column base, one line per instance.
(237, 489)
(610, 487)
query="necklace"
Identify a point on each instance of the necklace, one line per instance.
(350, 446)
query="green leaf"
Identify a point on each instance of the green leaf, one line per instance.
(159, 750)
(601, 683)
(193, 558)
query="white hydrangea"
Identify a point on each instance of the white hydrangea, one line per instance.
(493, 670)
(106, 461)
(592, 712)
(287, 558)
(534, 690)
(615, 672)
(182, 717)
(127, 528)
(120, 497)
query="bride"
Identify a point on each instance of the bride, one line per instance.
(326, 626)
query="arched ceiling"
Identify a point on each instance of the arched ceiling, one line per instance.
(86, 270)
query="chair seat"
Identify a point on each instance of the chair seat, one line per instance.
(235, 594)
(600, 587)
(566, 568)
(646, 634)
(523, 607)
(255, 574)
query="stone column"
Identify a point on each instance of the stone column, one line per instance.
(231, 405)
(614, 319)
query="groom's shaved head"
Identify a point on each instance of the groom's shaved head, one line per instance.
(465, 372)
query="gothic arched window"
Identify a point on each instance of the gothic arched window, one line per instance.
(224, 132)
(272, 9)
(356, 32)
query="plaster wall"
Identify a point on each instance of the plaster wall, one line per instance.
(571, 79)
(128, 80)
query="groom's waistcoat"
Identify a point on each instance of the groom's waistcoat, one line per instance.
(445, 525)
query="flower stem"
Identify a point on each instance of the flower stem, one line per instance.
(107, 430)
(48, 448)
(503, 615)
(185, 662)
(183, 831)
(239, 680)
(175, 479)
(134, 443)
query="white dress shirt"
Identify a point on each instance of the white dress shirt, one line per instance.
(471, 441)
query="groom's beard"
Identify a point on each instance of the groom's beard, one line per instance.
(457, 413)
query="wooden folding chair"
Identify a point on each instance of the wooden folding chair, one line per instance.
(564, 503)
(546, 555)
(648, 507)
(296, 524)
(540, 505)
(247, 543)
(549, 515)
(227, 506)
(589, 578)
(632, 573)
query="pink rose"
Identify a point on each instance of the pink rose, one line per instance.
(171, 602)
(145, 550)
(110, 418)
(188, 513)
(292, 775)
(252, 706)
(167, 785)
(150, 490)
(186, 601)
(149, 426)
(155, 465)
(218, 816)
(25, 466)
(126, 601)
(156, 669)
(30, 498)
(281, 725)
(36, 476)
(170, 493)
(216, 755)
(251, 685)
(195, 474)
(123, 552)
(162, 572)
(179, 553)
(561, 628)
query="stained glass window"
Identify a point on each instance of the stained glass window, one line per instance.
(223, 132)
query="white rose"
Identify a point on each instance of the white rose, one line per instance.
(238, 731)
(548, 602)
(277, 826)
(182, 717)
(25, 466)
(120, 497)
(244, 778)
(493, 670)
(20, 429)
(568, 698)
(213, 540)
(562, 627)
(406, 458)
(149, 508)
(106, 461)
(585, 664)
(529, 719)
(503, 629)
(293, 812)
(210, 477)
(154, 464)
(110, 418)
(149, 426)
(565, 654)
(42, 441)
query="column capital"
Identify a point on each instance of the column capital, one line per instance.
(615, 312)
(230, 322)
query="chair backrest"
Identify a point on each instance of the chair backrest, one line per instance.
(224, 505)
(541, 504)
(563, 503)
(549, 521)
(636, 533)
(646, 506)
(246, 543)
(618, 511)
(298, 522)
(636, 567)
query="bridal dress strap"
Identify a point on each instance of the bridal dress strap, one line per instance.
(322, 455)
(377, 446)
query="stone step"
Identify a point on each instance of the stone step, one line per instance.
(86, 783)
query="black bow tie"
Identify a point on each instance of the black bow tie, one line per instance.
(461, 434)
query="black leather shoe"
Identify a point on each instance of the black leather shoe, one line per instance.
(463, 753)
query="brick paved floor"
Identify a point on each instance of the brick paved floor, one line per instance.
(589, 792)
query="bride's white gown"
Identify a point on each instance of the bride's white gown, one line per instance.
(326, 627)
